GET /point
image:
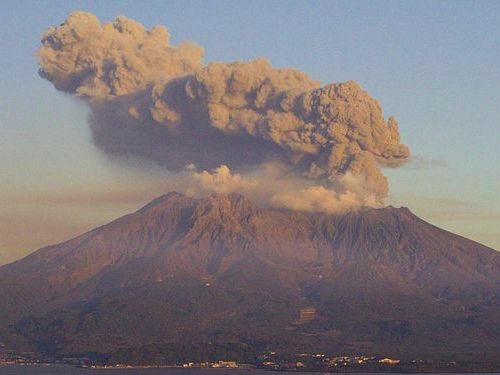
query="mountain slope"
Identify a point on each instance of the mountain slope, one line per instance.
(223, 270)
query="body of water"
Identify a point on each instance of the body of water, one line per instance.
(70, 370)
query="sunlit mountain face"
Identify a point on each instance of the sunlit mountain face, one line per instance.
(222, 270)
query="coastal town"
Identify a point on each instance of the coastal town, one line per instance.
(269, 360)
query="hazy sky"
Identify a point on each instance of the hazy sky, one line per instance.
(433, 65)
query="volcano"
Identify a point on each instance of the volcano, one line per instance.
(225, 272)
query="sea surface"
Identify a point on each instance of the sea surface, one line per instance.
(70, 370)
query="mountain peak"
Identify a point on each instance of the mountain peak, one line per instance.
(226, 201)
(233, 200)
(170, 196)
(246, 271)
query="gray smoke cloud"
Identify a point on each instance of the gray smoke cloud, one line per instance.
(160, 102)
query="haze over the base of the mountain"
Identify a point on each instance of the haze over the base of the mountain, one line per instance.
(222, 125)
(223, 270)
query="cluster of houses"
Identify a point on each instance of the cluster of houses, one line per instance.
(218, 364)
(270, 360)
(8, 357)
(187, 365)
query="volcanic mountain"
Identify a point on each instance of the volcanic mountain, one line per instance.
(225, 272)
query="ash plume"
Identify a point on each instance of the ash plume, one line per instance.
(158, 101)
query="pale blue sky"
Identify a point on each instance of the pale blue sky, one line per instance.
(434, 65)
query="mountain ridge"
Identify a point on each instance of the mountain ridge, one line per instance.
(222, 269)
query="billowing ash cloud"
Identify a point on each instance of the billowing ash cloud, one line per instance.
(158, 101)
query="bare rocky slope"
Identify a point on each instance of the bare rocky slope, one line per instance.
(221, 270)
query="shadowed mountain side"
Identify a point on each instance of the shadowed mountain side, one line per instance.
(221, 269)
